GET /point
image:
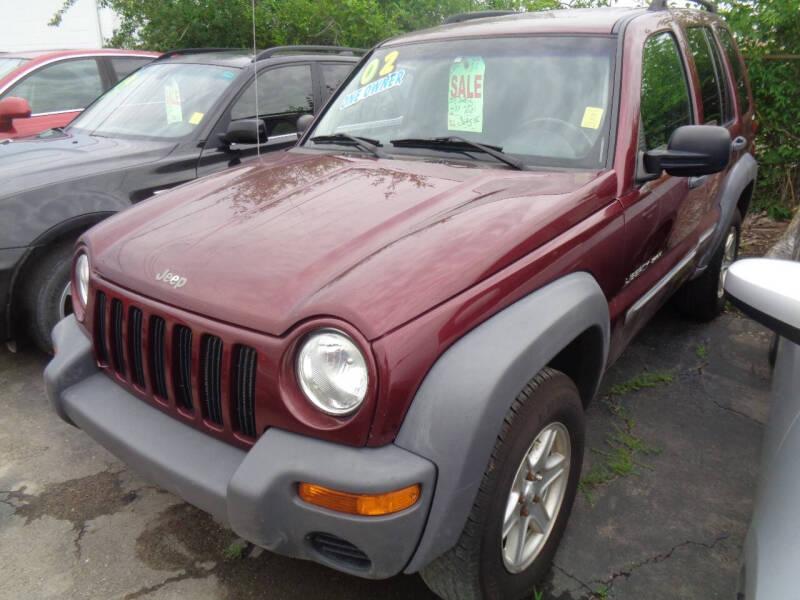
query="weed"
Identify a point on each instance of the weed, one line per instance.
(234, 551)
(623, 445)
(537, 595)
(602, 593)
(702, 352)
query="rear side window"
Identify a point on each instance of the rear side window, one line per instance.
(711, 88)
(63, 86)
(665, 94)
(333, 74)
(125, 65)
(738, 69)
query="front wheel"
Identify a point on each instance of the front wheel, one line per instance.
(524, 500)
(47, 295)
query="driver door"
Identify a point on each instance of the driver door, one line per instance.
(284, 93)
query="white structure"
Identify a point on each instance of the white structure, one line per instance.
(24, 25)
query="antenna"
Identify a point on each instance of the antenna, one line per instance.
(255, 81)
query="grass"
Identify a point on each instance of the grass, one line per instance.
(702, 352)
(623, 447)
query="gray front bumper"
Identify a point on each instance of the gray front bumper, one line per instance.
(254, 491)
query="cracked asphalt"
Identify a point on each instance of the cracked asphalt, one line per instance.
(76, 523)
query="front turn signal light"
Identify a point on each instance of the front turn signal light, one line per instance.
(370, 505)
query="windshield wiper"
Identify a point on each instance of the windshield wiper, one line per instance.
(367, 144)
(459, 144)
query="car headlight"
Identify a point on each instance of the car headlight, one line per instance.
(332, 372)
(82, 278)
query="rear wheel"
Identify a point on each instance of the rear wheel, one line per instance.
(704, 298)
(47, 294)
(524, 499)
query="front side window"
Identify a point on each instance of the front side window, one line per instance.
(284, 93)
(543, 99)
(737, 67)
(665, 104)
(161, 100)
(63, 86)
(710, 88)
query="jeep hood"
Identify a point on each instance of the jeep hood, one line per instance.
(297, 235)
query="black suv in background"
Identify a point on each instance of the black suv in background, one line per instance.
(187, 114)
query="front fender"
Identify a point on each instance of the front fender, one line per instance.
(458, 410)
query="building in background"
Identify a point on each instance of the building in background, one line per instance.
(85, 25)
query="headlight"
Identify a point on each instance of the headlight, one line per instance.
(332, 372)
(82, 278)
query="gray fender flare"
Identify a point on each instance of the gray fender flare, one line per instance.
(740, 176)
(458, 411)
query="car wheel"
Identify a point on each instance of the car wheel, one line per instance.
(524, 500)
(704, 298)
(47, 295)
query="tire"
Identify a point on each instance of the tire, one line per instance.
(45, 295)
(483, 564)
(704, 298)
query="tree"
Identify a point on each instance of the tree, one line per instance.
(768, 34)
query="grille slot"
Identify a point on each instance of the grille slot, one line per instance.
(135, 345)
(212, 372)
(183, 365)
(101, 350)
(117, 337)
(245, 389)
(158, 338)
(339, 550)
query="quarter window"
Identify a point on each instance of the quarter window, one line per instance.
(665, 95)
(738, 69)
(284, 93)
(63, 86)
(710, 88)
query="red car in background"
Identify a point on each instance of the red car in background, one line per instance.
(43, 89)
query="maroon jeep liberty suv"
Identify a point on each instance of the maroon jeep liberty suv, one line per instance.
(374, 350)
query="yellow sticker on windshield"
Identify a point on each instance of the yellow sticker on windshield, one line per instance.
(465, 94)
(592, 117)
(172, 102)
(195, 118)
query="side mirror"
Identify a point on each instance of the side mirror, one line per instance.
(302, 124)
(246, 131)
(768, 291)
(693, 150)
(13, 108)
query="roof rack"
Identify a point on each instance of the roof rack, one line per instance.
(181, 51)
(270, 52)
(662, 5)
(479, 14)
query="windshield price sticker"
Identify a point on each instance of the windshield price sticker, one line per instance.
(172, 101)
(376, 87)
(592, 117)
(465, 94)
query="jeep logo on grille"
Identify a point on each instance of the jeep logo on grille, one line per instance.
(171, 278)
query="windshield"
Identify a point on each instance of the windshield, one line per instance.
(160, 100)
(10, 64)
(542, 99)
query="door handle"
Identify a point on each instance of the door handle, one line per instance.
(696, 182)
(739, 143)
